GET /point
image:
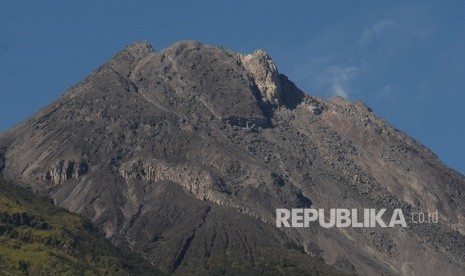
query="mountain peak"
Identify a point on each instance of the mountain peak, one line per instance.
(125, 60)
(139, 48)
(264, 71)
(271, 87)
(274, 87)
(174, 152)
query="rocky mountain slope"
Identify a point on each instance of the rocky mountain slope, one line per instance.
(38, 238)
(183, 155)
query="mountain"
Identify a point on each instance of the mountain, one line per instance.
(184, 155)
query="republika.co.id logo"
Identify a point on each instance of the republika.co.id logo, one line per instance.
(340, 217)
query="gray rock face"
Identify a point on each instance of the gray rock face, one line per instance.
(185, 154)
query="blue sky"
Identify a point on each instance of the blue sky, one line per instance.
(405, 59)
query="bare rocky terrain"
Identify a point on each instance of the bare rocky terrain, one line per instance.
(183, 155)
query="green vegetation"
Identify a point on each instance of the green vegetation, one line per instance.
(38, 238)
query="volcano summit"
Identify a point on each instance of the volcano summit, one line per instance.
(184, 155)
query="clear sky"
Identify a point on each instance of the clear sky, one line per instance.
(405, 59)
